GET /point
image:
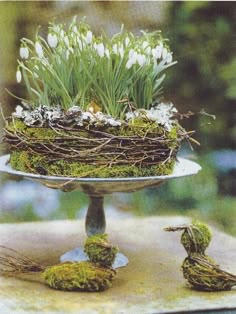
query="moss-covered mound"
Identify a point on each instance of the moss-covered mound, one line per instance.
(81, 276)
(100, 250)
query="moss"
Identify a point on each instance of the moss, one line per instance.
(100, 250)
(81, 276)
(202, 273)
(26, 162)
(196, 238)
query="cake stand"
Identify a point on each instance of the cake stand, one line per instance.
(96, 189)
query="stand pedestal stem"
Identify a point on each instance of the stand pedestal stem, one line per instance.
(95, 218)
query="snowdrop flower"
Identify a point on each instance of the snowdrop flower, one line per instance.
(145, 44)
(141, 59)
(115, 48)
(157, 51)
(121, 51)
(52, 40)
(129, 64)
(66, 40)
(100, 50)
(164, 53)
(127, 41)
(39, 49)
(148, 50)
(89, 37)
(24, 52)
(131, 53)
(62, 33)
(79, 41)
(18, 76)
(169, 58)
(107, 53)
(75, 29)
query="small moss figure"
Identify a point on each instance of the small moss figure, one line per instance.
(69, 276)
(202, 273)
(100, 250)
(195, 238)
(200, 270)
(82, 276)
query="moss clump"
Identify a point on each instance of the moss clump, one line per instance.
(196, 238)
(202, 273)
(26, 162)
(82, 276)
(100, 250)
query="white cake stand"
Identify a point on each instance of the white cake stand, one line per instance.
(96, 189)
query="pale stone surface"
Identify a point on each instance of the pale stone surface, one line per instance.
(151, 283)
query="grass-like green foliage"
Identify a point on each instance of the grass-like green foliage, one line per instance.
(82, 276)
(75, 67)
(100, 250)
(196, 238)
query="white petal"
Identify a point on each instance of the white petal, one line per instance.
(100, 50)
(39, 49)
(52, 40)
(115, 48)
(89, 37)
(18, 76)
(121, 51)
(24, 52)
(127, 41)
(169, 58)
(129, 64)
(66, 40)
(164, 53)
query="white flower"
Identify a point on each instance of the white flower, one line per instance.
(141, 59)
(62, 33)
(39, 49)
(115, 48)
(89, 37)
(169, 58)
(24, 52)
(18, 112)
(18, 76)
(66, 40)
(52, 40)
(133, 55)
(129, 64)
(157, 51)
(164, 53)
(121, 51)
(148, 50)
(100, 50)
(75, 29)
(127, 41)
(79, 41)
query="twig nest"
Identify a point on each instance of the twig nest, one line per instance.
(82, 276)
(202, 273)
(196, 238)
(100, 250)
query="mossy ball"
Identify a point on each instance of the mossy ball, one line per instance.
(196, 238)
(78, 276)
(100, 250)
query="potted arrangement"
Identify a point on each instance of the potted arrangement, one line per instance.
(94, 107)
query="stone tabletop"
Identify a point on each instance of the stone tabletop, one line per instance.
(151, 283)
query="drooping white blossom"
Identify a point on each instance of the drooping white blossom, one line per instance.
(141, 59)
(129, 64)
(101, 50)
(164, 53)
(157, 51)
(39, 49)
(115, 48)
(89, 37)
(169, 58)
(52, 40)
(121, 51)
(18, 76)
(66, 40)
(24, 52)
(127, 41)
(145, 44)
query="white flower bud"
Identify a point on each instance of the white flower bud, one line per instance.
(115, 48)
(127, 41)
(164, 53)
(18, 76)
(75, 29)
(141, 60)
(52, 40)
(24, 52)
(169, 58)
(129, 64)
(89, 37)
(100, 50)
(39, 49)
(66, 40)
(121, 51)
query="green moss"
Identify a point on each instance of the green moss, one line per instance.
(26, 162)
(203, 273)
(100, 250)
(81, 276)
(196, 238)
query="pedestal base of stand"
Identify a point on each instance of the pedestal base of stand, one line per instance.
(78, 255)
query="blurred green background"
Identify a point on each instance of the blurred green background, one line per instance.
(202, 38)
